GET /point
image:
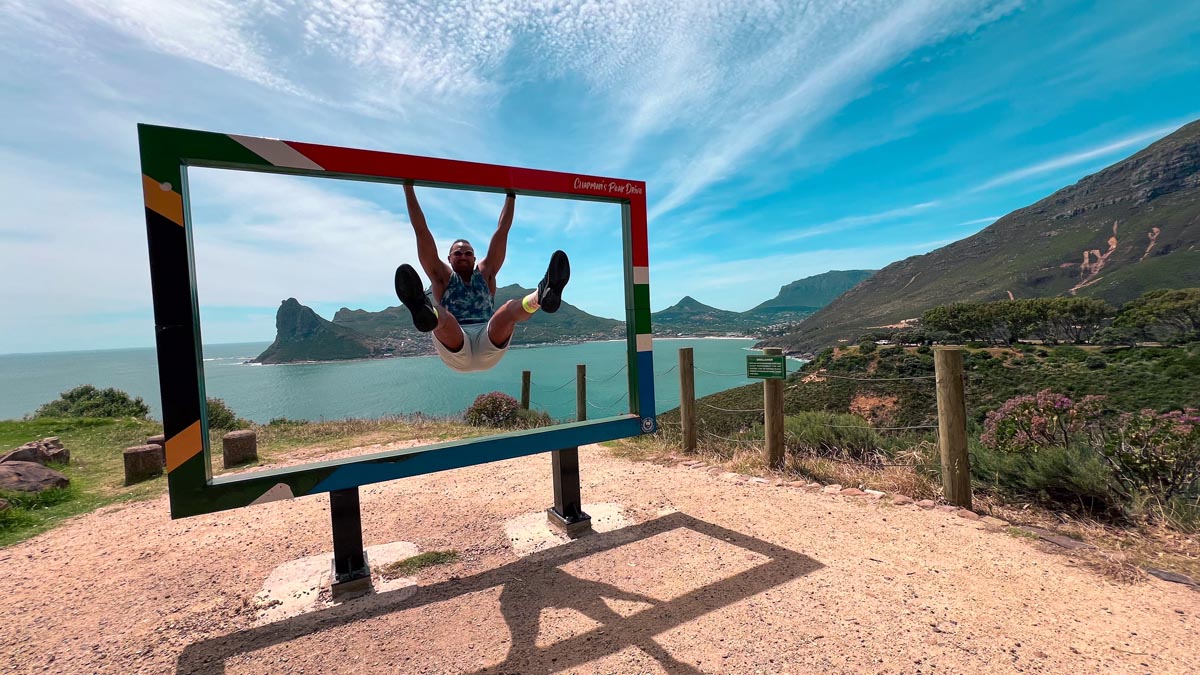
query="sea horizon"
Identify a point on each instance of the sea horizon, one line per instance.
(372, 387)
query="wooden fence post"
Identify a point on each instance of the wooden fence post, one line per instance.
(952, 425)
(580, 392)
(773, 415)
(525, 389)
(687, 399)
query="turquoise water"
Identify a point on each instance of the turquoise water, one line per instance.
(374, 388)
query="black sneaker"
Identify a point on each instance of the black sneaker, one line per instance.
(411, 292)
(550, 287)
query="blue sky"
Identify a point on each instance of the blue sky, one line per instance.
(778, 140)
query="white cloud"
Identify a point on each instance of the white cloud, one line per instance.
(851, 222)
(218, 33)
(1075, 158)
(829, 75)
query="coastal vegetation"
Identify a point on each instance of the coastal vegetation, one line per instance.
(96, 443)
(1104, 432)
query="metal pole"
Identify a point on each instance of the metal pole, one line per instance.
(567, 513)
(351, 574)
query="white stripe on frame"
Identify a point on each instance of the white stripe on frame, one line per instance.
(645, 343)
(277, 152)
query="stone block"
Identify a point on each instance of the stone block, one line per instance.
(142, 462)
(239, 447)
(161, 441)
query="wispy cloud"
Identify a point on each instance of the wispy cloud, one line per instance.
(825, 85)
(1076, 158)
(851, 222)
(217, 33)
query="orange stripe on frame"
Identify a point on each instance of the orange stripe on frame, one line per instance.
(183, 446)
(163, 199)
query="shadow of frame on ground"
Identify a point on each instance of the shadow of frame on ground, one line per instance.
(536, 582)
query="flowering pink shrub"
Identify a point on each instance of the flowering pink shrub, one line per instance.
(1158, 453)
(494, 409)
(1150, 454)
(1026, 423)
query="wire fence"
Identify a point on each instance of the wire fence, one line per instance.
(668, 426)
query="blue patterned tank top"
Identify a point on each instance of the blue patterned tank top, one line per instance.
(471, 302)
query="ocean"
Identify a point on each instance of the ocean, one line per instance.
(378, 387)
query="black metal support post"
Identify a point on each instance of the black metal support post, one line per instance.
(567, 513)
(351, 574)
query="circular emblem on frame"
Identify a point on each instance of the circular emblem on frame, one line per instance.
(647, 425)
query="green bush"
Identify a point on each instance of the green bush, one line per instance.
(88, 401)
(830, 433)
(222, 417)
(531, 419)
(1073, 476)
(1095, 362)
(866, 347)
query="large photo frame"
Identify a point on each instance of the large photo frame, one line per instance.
(167, 152)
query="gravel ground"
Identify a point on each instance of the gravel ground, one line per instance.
(711, 573)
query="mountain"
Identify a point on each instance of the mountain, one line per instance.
(1115, 234)
(793, 303)
(301, 335)
(812, 293)
(692, 317)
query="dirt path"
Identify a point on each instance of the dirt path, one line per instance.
(711, 575)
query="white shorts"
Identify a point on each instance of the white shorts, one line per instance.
(477, 352)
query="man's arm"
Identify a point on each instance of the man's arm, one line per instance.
(498, 247)
(437, 271)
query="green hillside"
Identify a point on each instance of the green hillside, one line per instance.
(1129, 228)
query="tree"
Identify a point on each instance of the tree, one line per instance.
(1163, 314)
(88, 401)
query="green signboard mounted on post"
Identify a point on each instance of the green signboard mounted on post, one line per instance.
(766, 367)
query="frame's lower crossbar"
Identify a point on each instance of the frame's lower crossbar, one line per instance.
(567, 513)
(351, 574)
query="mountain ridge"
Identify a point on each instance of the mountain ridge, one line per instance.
(1114, 234)
(389, 332)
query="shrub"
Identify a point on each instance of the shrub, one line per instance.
(1025, 424)
(1095, 362)
(88, 401)
(866, 347)
(924, 349)
(494, 409)
(530, 419)
(221, 416)
(830, 433)
(1068, 476)
(1156, 454)
(891, 352)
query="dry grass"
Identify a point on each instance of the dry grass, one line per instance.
(1120, 553)
(904, 474)
(312, 440)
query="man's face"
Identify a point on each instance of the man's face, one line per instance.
(462, 257)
